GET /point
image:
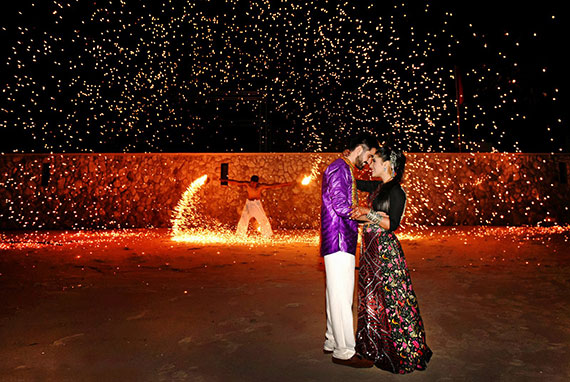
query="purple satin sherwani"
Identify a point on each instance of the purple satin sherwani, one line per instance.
(338, 231)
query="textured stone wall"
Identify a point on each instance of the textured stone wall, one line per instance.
(142, 190)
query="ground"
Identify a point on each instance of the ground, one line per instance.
(136, 306)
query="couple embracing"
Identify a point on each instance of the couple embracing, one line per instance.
(390, 332)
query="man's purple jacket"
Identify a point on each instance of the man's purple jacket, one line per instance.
(338, 231)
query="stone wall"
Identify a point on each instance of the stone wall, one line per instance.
(141, 190)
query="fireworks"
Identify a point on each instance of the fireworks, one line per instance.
(186, 214)
(170, 75)
(190, 225)
(315, 171)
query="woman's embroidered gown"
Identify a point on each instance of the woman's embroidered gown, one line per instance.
(390, 328)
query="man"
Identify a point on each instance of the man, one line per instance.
(339, 234)
(253, 207)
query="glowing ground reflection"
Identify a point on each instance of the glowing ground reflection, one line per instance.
(469, 235)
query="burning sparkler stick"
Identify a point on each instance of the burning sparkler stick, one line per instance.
(306, 180)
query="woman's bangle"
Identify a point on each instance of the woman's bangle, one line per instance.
(374, 217)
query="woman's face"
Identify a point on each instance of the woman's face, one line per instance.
(379, 167)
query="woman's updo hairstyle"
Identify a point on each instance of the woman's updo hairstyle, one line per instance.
(396, 158)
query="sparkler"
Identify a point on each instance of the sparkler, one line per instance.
(315, 172)
(186, 211)
(189, 225)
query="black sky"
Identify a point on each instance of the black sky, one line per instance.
(541, 68)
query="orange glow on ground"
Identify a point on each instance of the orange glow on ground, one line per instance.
(468, 235)
(73, 239)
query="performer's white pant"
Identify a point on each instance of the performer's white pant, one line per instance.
(253, 209)
(339, 338)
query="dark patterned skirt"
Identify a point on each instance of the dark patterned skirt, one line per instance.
(390, 329)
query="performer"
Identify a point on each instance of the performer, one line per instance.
(253, 207)
(390, 329)
(339, 234)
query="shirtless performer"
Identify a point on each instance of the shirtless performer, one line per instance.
(253, 207)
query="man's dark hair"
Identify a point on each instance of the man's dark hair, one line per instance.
(254, 178)
(365, 139)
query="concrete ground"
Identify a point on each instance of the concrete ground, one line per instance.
(136, 306)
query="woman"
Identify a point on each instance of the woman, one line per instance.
(390, 328)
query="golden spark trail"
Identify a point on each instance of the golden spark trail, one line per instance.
(186, 210)
(188, 225)
(314, 172)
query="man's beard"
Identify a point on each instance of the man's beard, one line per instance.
(359, 163)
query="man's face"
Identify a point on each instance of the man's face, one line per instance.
(365, 157)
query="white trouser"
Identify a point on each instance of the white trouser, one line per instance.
(253, 209)
(339, 338)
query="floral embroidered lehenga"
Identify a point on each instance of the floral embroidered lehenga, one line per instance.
(390, 329)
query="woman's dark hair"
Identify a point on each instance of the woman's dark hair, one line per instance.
(381, 198)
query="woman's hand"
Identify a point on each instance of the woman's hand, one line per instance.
(383, 214)
(359, 213)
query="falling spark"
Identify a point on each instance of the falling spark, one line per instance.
(315, 172)
(150, 75)
(188, 225)
(186, 211)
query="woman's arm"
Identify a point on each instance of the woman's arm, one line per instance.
(397, 204)
(391, 221)
(367, 185)
(367, 215)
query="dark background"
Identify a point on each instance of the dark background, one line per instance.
(67, 87)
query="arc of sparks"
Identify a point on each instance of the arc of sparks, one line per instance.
(186, 208)
(188, 225)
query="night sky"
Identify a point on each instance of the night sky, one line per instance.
(220, 76)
